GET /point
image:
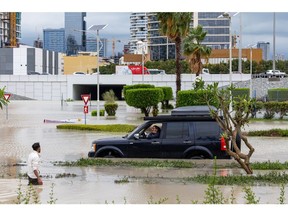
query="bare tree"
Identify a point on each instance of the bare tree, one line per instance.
(232, 122)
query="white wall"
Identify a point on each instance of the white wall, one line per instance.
(51, 87)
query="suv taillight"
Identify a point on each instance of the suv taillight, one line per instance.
(94, 147)
(223, 144)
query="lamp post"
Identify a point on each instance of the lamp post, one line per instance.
(274, 42)
(251, 71)
(97, 28)
(228, 16)
(141, 44)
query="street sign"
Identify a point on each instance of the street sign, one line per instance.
(7, 96)
(85, 98)
(85, 109)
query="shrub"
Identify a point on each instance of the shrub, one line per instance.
(270, 109)
(278, 94)
(168, 95)
(240, 93)
(94, 112)
(111, 108)
(109, 96)
(191, 98)
(137, 86)
(144, 99)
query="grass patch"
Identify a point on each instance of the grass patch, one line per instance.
(125, 179)
(107, 128)
(145, 163)
(85, 162)
(271, 133)
(269, 165)
(272, 177)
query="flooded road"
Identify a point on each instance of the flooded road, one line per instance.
(25, 126)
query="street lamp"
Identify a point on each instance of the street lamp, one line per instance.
(251, 59)
(97, 28)
(141, 44)
(228, 16)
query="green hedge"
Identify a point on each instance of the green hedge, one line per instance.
(108, 128)
(111, 108)
(240, 93)
(94, 112)
(142, 98)
(278, 94)
(191, 98)
(168, 92)
(137, 86)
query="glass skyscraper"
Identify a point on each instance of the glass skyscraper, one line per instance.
(91, 45)
(54, 40)
(75, 35)
(145, 27)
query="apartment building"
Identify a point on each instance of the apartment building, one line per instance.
(145, 27)
(10, 29)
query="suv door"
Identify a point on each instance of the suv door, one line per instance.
(175, 139)
(207, 134)
(143, 147)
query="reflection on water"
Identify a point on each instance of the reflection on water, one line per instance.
(96, 185)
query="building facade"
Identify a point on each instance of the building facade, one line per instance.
(54, 40)
(145, 27)
(25, 59)
(10, 29)
(75, 35)
(265, 46)
(91, 45)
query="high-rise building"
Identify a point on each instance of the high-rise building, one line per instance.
(38, 43)
(265, 46)
(10, 29)
(54, 40)
(138, 30)
(75, 32)
(91, 45)
(145, 27)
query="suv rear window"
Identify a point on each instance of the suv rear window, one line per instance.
(176, 130)
(202, 129)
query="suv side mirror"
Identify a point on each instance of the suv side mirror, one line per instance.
(137, 136)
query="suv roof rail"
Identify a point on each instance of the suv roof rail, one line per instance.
(192, 111)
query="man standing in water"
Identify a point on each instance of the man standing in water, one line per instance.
(33, 165)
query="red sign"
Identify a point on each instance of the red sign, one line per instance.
(85, 97)
(85, 109)
(7, 96)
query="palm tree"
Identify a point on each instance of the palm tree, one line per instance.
(3, 101)
(176, 27)
(194, 50)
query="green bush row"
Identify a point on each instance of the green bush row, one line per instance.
(94, 112)
(278, 94)
(136, 86)
(192, 98)
(241, 93)
(106, 128)
(272, 133)
(271, 108)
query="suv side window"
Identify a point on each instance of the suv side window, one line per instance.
(207, 130)
(176, 130)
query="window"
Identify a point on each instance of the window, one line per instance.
(207, 130)
(177, 130)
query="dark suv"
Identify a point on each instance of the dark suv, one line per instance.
(189, 132)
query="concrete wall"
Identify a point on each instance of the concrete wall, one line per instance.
(41, 87)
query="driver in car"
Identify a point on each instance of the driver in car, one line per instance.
(155, 132)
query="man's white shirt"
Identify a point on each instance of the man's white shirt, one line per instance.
(33, 163)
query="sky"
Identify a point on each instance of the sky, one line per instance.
(257, 18)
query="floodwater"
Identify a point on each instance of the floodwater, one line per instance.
(96, 185)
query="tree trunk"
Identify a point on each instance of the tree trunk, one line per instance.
(178, 65)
